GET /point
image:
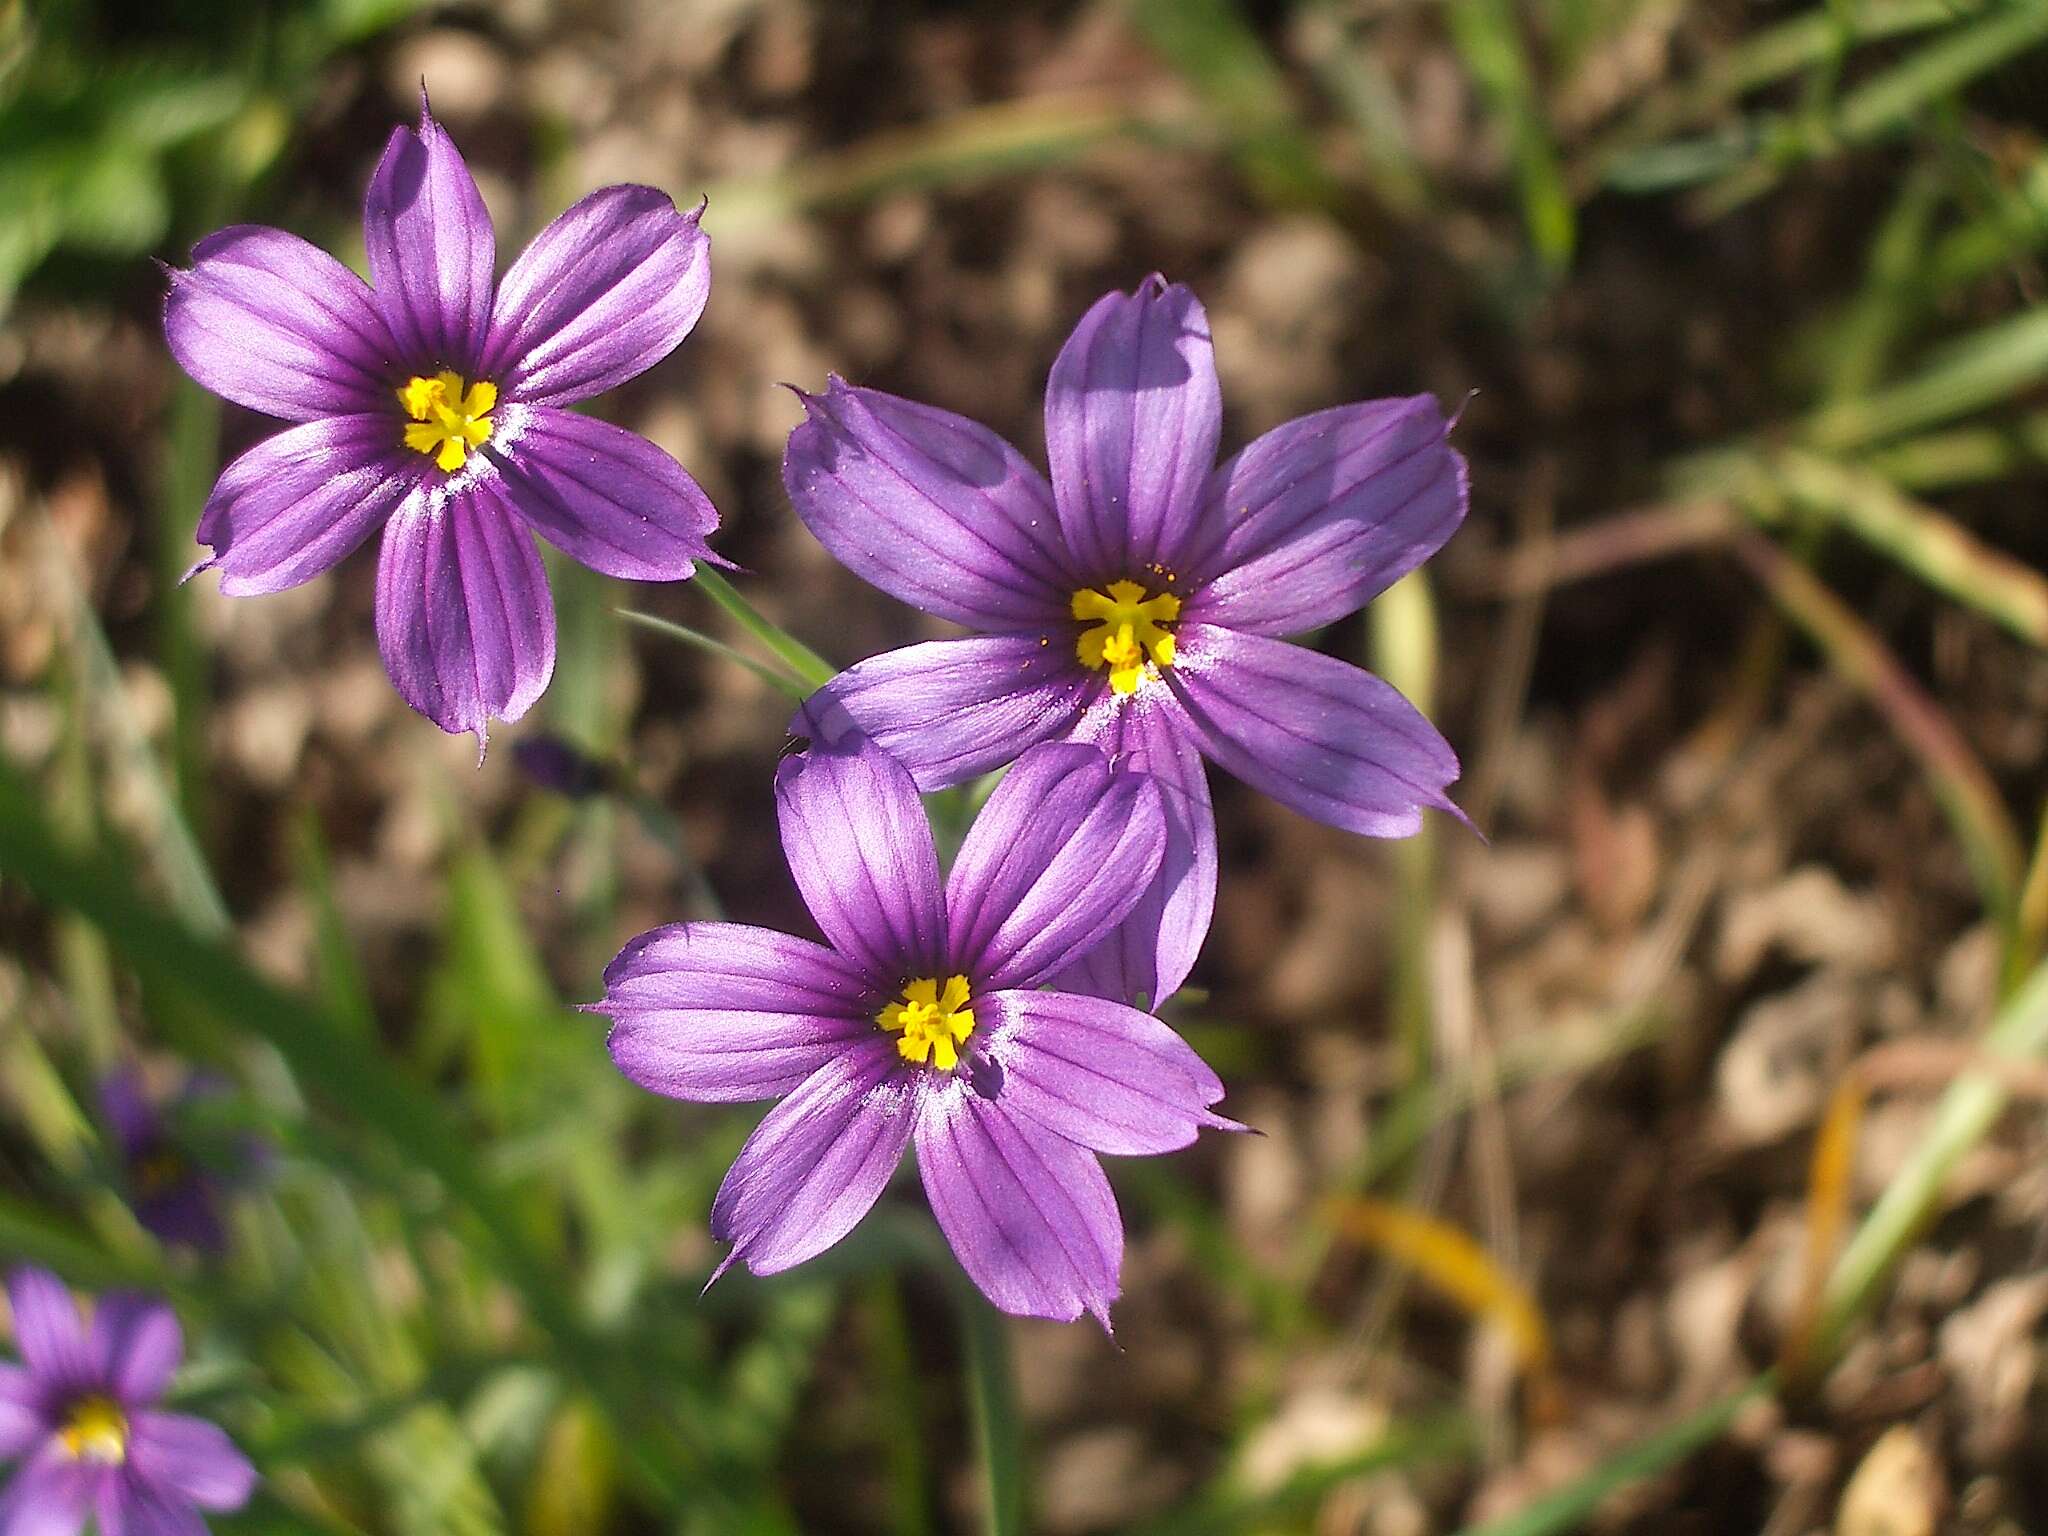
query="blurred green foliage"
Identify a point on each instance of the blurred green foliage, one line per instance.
(123, 122)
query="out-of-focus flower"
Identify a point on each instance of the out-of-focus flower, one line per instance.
(429, 404)
(174, 1190)
(80, 1415)
(1140, 599)
(924, 1021)
(555, 763)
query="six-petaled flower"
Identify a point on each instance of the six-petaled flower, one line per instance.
(429, 403)
(80, 1414)
(1140, 599)
(924, 1021)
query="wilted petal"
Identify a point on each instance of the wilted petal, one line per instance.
(1315, 733)
(190, 1458)
(861, 851)
(951, 709)
(431, 249)
(296, 503)
(603, 293)
(1152, 950)
(1132, 417)
(818, 1161)
(21, 1411)
(1063, 849)
(271, 322)
(930, 507)
(1319, 516)
(51, 1495)
(135, 1344)
(463, 614)
(720, 1012)
(1097, 1072)
(1029, 1214)
(48, 1332)
(607, 498)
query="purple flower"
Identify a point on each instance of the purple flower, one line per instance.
(1139, 600)
(430, 405)
(923, 1022)
(79, 1412)
(173, 1191)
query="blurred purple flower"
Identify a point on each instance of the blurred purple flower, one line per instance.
(923, 1021)
(175, 1193)
(1139, 600)
(430, 406)
(79, 1413)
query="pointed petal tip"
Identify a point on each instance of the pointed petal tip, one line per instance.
(206, 564)
(724, 1264)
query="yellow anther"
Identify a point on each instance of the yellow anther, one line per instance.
(933, 1023)
(95, 1430)
(447, 420)
(1125, 631)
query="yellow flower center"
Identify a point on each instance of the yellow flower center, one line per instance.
(97, 1430)
(1125, 634)
(159, 1170)
(933, 1023)
(447, 421)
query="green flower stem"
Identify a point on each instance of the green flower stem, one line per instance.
(792, 652)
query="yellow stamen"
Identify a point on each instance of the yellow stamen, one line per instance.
(447, 421)
(96, 1430)
(158, 1171)
(1126, 631)
(933, 1023)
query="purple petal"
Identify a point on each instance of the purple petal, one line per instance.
(1029, 1214)
(930, 507)
(463, 614)
(431, 249)
(298, 502)
(1319, 516)
(190, 1458)
(723, 1013)
(818, 1161)
(22, 1421)
(951, 709)
(1317, 734)
(1152, 950)
(607, 498)
(188, 1213)
(1097, 1072)
(270, 322)
(1132, 417)
(128, 1506)
(1064, 848)
(135, 1344)
(603, 293)
(129, 1113)
(861, 852)
(48, 1333)
(51, 1495)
